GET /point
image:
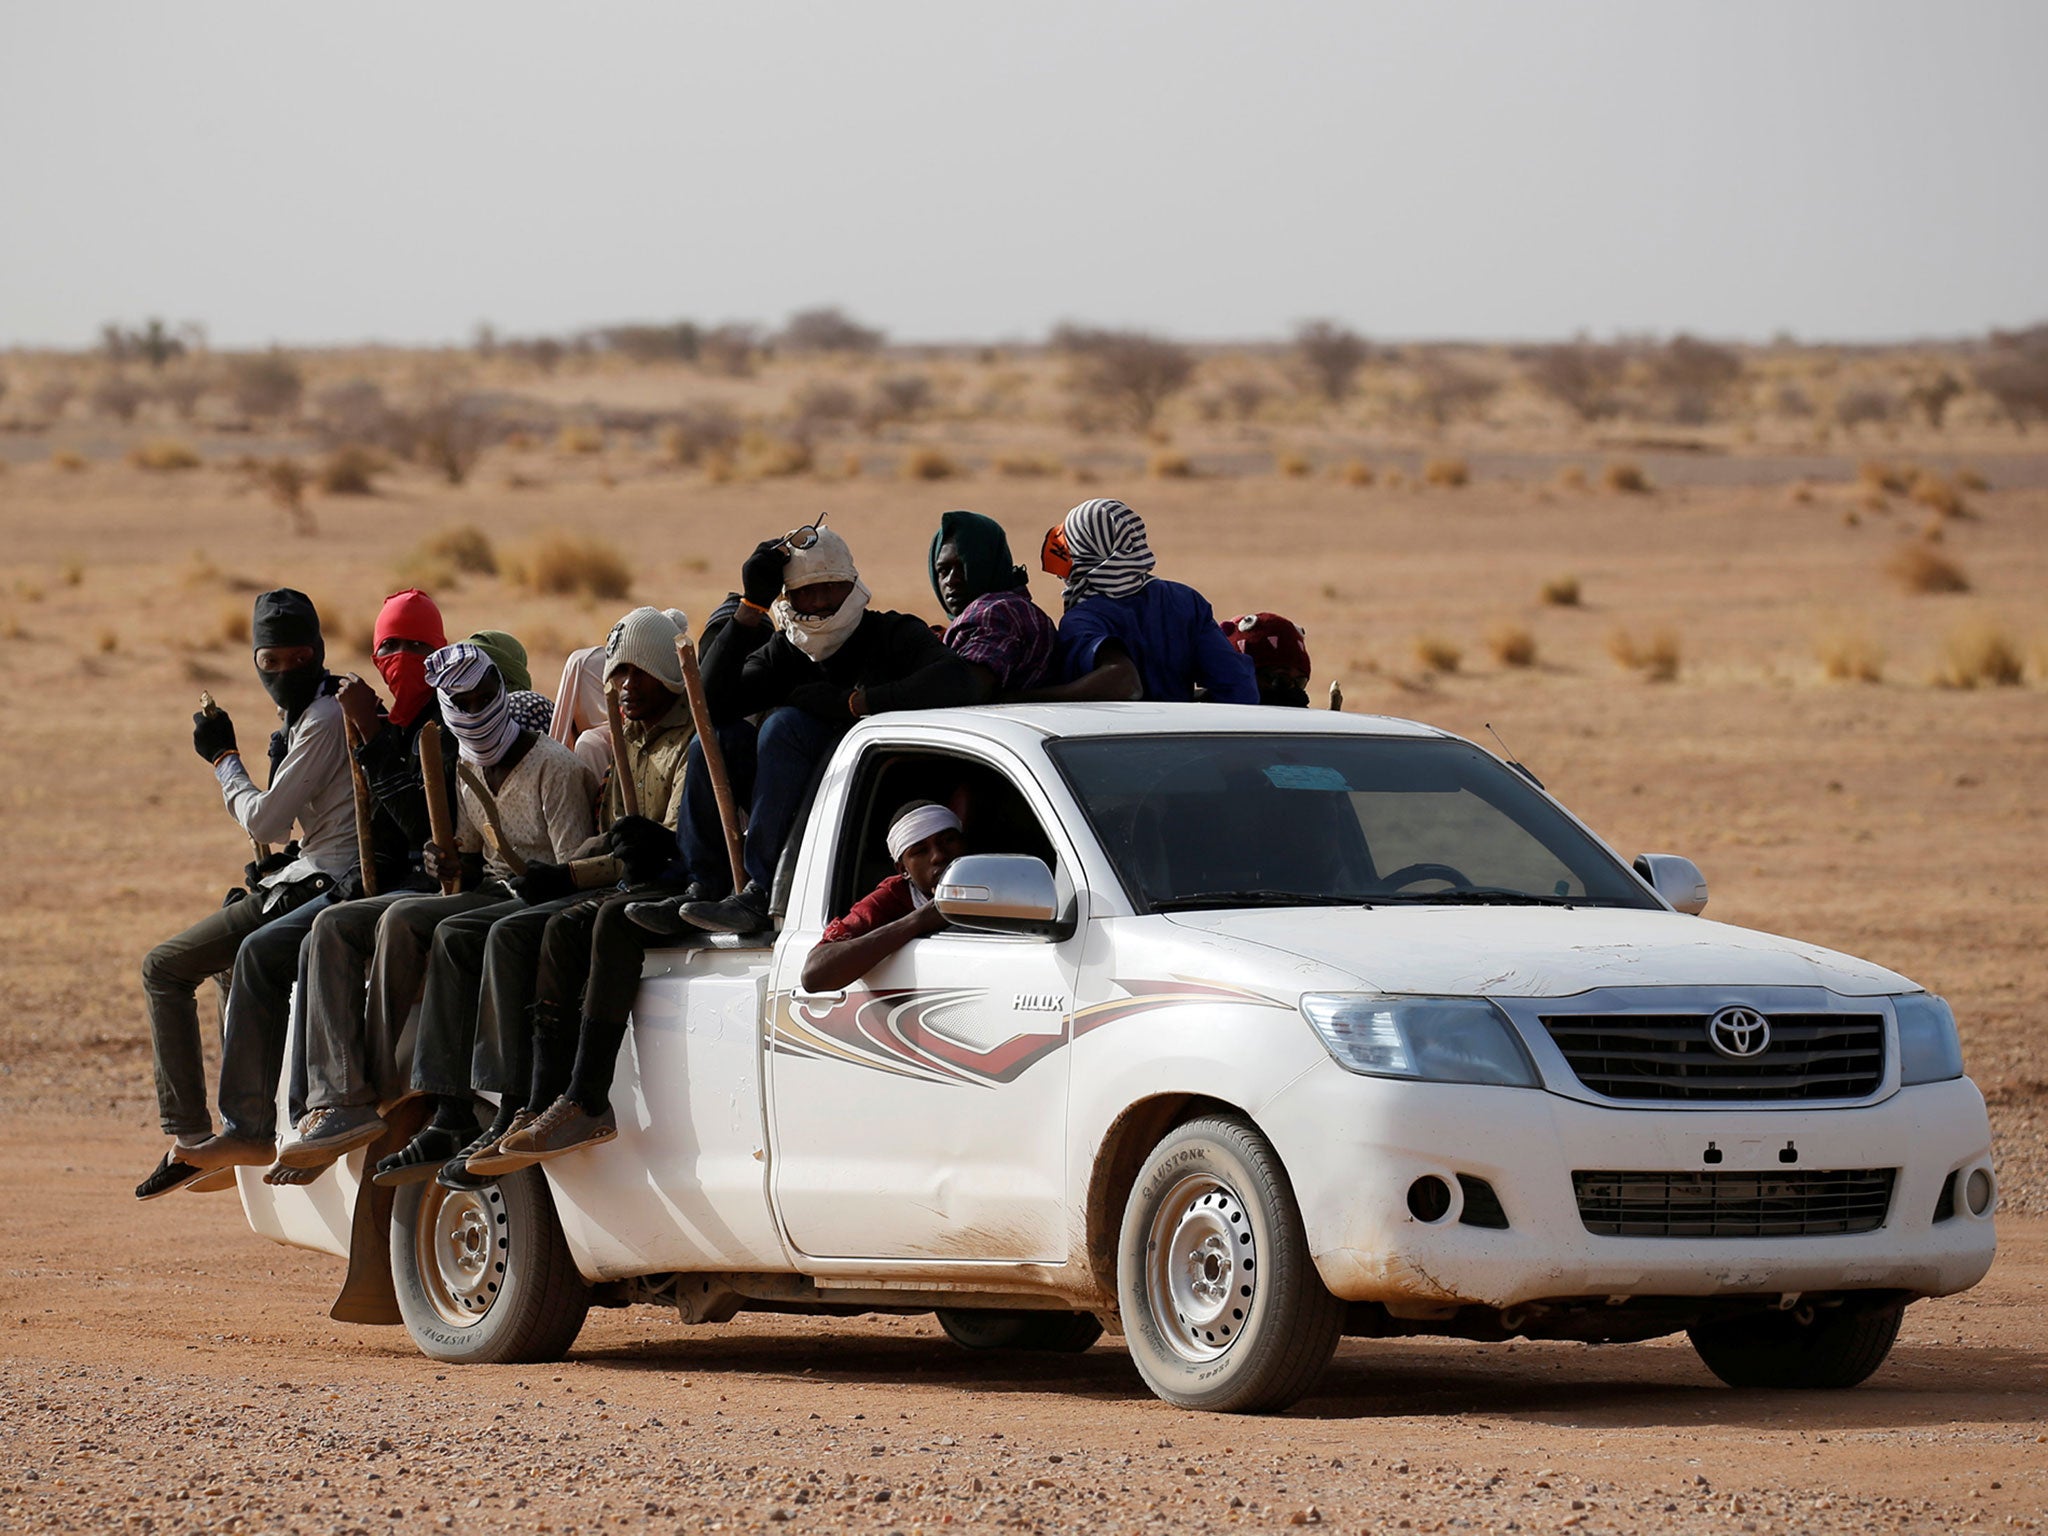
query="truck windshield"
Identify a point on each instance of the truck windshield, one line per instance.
(1275, 820)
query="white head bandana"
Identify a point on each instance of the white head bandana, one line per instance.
(1111, 556)
(826, 560)
(916, 824)
(485, 735)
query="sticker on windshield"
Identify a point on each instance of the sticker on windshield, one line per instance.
(1305, 776)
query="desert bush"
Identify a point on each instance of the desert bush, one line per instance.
(1918, 568)
(53, 395)
(1865, 404)
(1027, 466)
(1932, 397)
(265, 384)
(579, 438)
(542, 353)
(351, 412)
(1937, 495)
(1847, 656)
(560, 564)
(1876, 474)
(347, 471)
(1694, 376)
(827, 329)
(1801, 492)
(108, 642)
(1443, 389)
(766, 456)
(284, 481)
(163, 455)
(1980, 655)
(1437, 653)
(1968, 479)
(232, 623)
(1395, 480)
(1356, 472)
(928, 464)
(1447, 472)
(70, 460)
(1625, 477)
(117, 396)
(1561, 591)
(2015, 374)
(183, 390)
(1330, 355)
(705, 428)
(1583, 377)
(652, 343)
(1170, 464)
(1243, 397)
(1789, 400)
(1292, 465)
(447, 435)
(730, 349)
(1655, 657)
(11, 628)
(464, 546)
(1572, 477)
(898, 397)
(1512, 645)
(1131, 374)
(73, 572)
(154, 344)
(820, 406)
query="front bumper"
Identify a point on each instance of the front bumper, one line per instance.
(1354, 1145)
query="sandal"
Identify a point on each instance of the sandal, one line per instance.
(210, 1183)
(418, 1160)
(168, 1175)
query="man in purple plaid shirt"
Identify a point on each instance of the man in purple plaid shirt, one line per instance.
(996, 627)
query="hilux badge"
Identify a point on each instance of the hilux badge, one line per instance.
(1739, 1032)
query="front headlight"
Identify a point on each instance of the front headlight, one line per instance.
(1436, 1039)
(1929, 1050)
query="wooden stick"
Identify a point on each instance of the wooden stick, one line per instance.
(1336, 695)
(714, 758)
(440, 809)
(208, 707)
(494, 825)
(366, 847)
(622, 775)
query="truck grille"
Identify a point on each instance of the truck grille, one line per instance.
(1669, 1056)
(1802, 1204)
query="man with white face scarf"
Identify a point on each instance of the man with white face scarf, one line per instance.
(827, 660)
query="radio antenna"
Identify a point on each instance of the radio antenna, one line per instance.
(1509, 757)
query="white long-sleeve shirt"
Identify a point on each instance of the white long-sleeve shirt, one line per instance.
(310, 788)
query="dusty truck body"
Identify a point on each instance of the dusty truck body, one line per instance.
(1253, 1028)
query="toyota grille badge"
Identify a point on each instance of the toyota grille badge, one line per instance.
(1742, 1033)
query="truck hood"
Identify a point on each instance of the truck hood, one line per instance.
(1540, 951)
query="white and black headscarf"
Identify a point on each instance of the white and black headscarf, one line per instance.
(1106, 541)
(485, 735)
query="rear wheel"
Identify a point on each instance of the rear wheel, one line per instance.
(483, 1276)
(1833, 1348)
(1222, 1307)
(1053, 1333)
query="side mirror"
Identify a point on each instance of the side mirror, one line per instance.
(999, 893)
(1676, 879)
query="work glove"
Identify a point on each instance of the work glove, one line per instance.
(543, 882)
(280, 743)
(644, 845)
(269, 864)
(213, 734)
(761, 576)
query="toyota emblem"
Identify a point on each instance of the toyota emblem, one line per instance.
(1739, 1032)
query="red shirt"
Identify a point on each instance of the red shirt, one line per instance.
(884, 904)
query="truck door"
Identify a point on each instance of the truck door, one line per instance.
(922, 1113)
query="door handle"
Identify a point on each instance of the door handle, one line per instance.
(820, 997)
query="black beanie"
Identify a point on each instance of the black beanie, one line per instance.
(284, 618)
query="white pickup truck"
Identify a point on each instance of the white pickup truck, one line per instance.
(1253, 1028)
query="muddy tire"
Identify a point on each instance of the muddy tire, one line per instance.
(1223, 1310)
(1840, 1347)
(484, 1277)
(1051, 1333)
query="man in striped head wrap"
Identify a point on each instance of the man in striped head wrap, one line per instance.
(1128, 634)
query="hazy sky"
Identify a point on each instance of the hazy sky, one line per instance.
(337, 172)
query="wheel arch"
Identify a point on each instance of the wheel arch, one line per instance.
(1130, 1137)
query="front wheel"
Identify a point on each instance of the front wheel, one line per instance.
(484, 1276)
(1834, 1348)
(1051, 1333)
(1222, 1307)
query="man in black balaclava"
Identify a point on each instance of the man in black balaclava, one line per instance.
(309, 787)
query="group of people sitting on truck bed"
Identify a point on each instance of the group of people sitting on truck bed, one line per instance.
(514, 913)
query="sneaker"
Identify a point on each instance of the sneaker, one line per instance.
(491, 1159)
(227, 1151)
(419, 1159)
(565, 1126)
(662, 916)
(330, 1133)
(746, 912)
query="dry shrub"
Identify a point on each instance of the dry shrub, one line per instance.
(579, 437)
(1572, 478)
(1581, 376)
(1330, 355)
(1449, 473)
(163, 455)
(1871, 499)
(1852, 519)
(1130, 374)
(569, 565)
(118, 396)
(73, 572)
(1356, 472)
(1980, 655)
(1655, 657)
(232, 624)
(1437, 653)
(828, 329)
(928, 464)
(1880, 476)
(729, 349)
(28, 591)
(1395, 480)
(719, 468)
(1295, 466)
(1801, 493)
(1937, 494)
(1969, 480)
(268, 384)
(1920, 569)
(108, 642)
(285, 482)
(701, 430)
(898, 397)
(464, 546)
(347, 471)
(1168, 464)
(1849, 657)
(1934, 530)
(1027, 466)
(1855, 407)
(1626, 477)
(1561, 591)
(765, 456)
(1512, 645)
(447, 435)
(11, 628)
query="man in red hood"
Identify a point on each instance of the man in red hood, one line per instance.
(409, 629)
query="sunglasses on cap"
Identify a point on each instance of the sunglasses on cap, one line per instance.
(1054, 558)
(805, 537)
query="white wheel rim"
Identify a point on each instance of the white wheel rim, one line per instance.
(1202, 1267)
(463, 1244)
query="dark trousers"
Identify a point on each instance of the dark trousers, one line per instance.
(171, 976)
(594, 952)
(259, 1014)
(702, 835)
(479, 991)
(787, 748)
